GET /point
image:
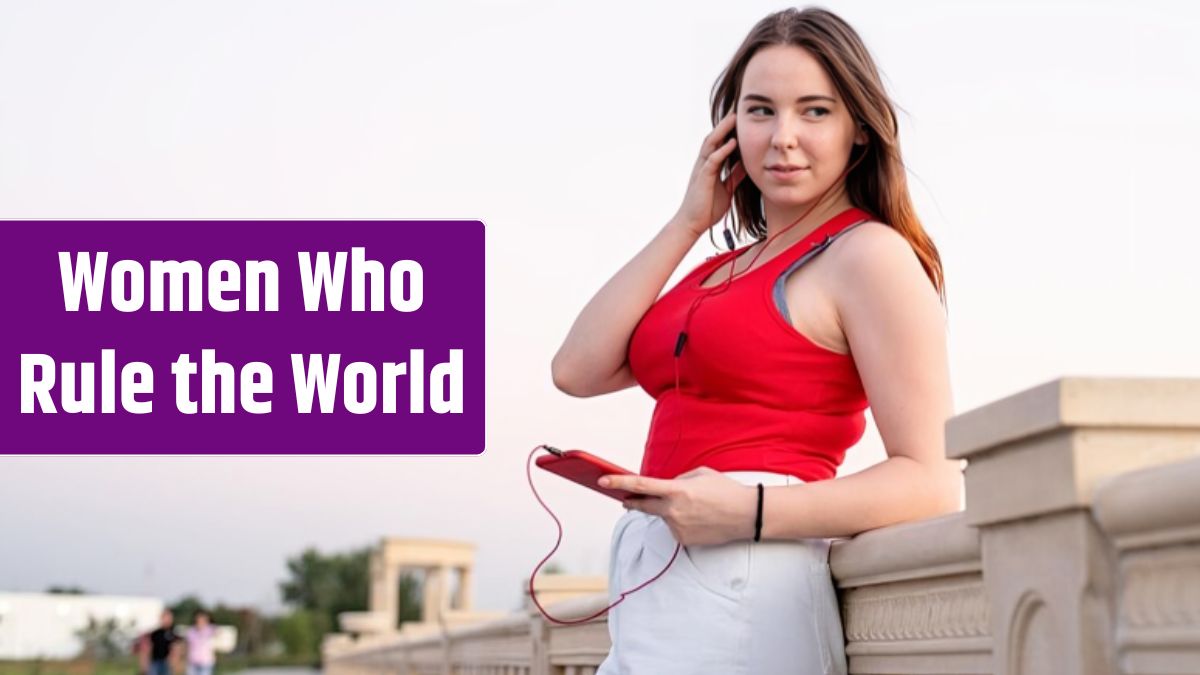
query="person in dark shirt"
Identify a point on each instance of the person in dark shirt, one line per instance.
(162, 639)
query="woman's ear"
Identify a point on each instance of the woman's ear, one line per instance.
(860, 137)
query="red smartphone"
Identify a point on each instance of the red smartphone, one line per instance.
(584, 468)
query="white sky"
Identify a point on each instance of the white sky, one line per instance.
(1051, 148)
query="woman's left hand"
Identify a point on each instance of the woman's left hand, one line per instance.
(702, 506)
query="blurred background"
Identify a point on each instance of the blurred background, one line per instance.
(1050, 149)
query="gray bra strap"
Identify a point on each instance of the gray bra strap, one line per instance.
(777, 290)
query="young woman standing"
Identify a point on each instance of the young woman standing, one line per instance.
(762, 361)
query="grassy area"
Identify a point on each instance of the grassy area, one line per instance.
(225, 664)
(78, 667)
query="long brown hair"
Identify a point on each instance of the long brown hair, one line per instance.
(878, 184)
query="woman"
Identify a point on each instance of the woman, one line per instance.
(762, 362)
(201, 652)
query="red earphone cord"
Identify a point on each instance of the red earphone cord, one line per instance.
(533, 595)
(715, 290)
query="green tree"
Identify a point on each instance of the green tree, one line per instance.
(249, 626)
(327, 584)
(301, 632)
(409, 600)
(185, 608)
(105, 640)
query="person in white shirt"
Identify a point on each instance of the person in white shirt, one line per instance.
(201, 657)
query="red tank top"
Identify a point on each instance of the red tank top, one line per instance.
(754, 393)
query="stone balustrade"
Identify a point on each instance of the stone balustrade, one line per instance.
(1078, 553)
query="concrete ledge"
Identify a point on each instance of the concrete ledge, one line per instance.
(1151, 507)
(574, 608)
(928, 548)
(511, 624)
(1163, 403)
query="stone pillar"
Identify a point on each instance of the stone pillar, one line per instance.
(434, 600)
(428, 603)
(1034, 461)
(375, 600)
(384, 587)
(465, 580)
(539, 645)
(443, 591)
(389, 590)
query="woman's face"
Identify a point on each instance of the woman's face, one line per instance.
(793, 131)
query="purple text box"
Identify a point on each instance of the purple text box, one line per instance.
(450, 316)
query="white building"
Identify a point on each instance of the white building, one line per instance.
(43, 625)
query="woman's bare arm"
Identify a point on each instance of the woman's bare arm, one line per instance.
(592, 359)
(896, 328)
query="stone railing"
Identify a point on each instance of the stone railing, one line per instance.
(521, 644)
(1078, 554)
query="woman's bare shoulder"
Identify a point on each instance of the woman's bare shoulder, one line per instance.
(875, 263)
(862, 239)
(869, 246)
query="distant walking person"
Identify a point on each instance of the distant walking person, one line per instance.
(201, 657)
(161, 641)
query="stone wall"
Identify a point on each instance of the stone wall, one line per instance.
(1078, 553)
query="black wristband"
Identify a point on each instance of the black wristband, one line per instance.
(758, 516)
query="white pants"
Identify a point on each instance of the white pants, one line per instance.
(741, 608)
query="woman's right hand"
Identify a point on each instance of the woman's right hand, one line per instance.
(708, 197)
